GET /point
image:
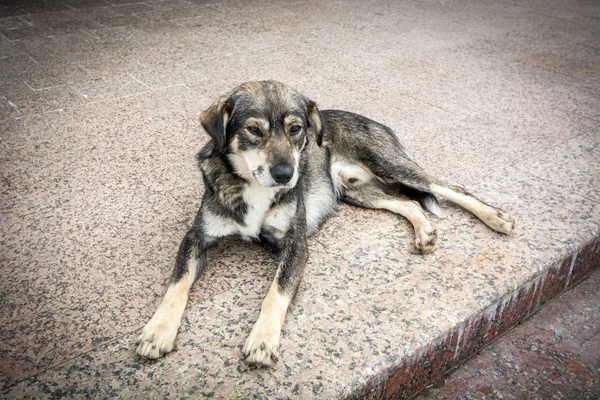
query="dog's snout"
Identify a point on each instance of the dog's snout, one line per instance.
(282, 173)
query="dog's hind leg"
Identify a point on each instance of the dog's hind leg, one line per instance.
(158, 336)
(357, 186)
(413, 182)
(425, 233)
(493, 217)
(398, 175)
(416, 183)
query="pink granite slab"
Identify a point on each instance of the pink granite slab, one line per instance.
(581, 152)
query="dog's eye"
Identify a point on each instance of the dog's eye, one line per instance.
(254, 130)
(295, 129)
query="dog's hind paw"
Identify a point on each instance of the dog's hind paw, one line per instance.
(425, 240)
(501, 221)
(156, 340)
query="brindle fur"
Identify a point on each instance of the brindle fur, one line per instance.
(273, 171)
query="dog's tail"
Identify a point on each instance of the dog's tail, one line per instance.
(427, 200)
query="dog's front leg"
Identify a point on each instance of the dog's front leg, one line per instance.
(262, 346)
(158, 336)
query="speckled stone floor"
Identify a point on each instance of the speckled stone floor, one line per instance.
(555, 354)
(99, 106)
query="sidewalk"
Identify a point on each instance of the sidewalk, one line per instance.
(99, 107)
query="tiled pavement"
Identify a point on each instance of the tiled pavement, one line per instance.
(99, 105)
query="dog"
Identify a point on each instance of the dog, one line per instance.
(274, 169)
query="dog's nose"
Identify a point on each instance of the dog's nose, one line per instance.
(282, 173)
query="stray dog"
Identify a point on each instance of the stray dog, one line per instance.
(273, 171)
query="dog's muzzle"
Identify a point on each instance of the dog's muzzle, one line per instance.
(282, 173)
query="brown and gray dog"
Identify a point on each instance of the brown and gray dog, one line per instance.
(273, 172)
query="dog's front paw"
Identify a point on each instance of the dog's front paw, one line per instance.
(156, 339)
(262, 346)
(425, 240)
(501, 221)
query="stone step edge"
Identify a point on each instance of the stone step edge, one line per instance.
(454, 348)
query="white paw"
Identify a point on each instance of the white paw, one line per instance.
(501, 221)
(262, 346)
(426, 239)
(156, 339)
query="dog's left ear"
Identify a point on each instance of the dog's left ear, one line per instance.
(315, 120)
(214, 121)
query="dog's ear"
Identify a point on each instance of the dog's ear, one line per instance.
(214, 121)
(315, 120)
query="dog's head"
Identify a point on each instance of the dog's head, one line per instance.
(263, 127)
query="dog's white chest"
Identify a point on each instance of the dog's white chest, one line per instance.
(258, 200)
